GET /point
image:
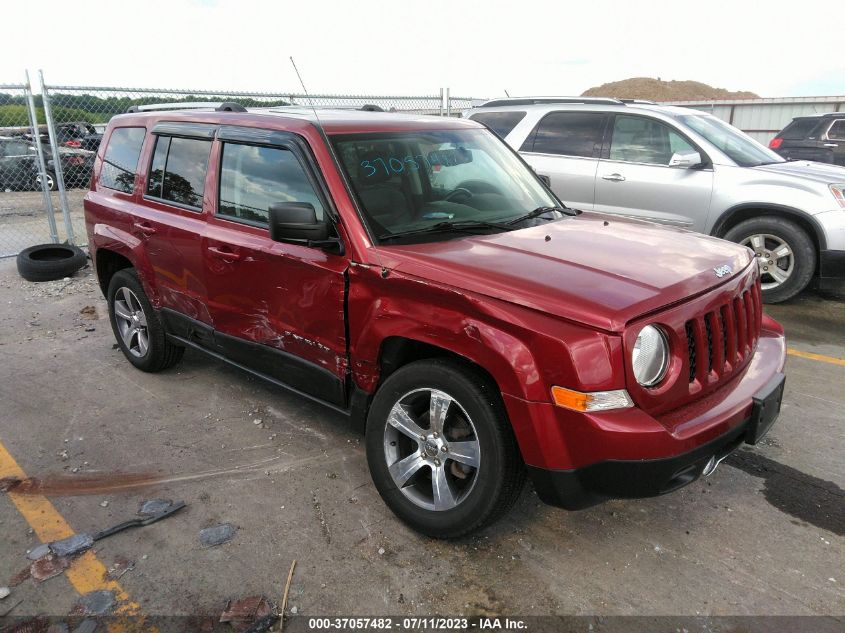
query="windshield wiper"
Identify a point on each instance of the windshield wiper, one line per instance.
(536, 213)
(460, 225)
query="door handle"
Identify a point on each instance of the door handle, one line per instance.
(831, 144)
(144, 227)
(614, 177)
(223, 254)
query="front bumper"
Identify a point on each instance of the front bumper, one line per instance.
(577, 460)
(831, 269)
(618, 479)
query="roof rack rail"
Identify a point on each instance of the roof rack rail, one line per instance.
(230, 106)
(219, 106)
(642, 101)
(541, 100)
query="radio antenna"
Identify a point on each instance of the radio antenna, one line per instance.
(310, 102)
(334, 155)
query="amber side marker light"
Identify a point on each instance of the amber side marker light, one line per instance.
(591, 401)
(838, 192)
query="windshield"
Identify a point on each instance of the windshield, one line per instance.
(412, 180)
(739, 147)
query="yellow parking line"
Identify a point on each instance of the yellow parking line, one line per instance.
(819, 357)
(86, 572)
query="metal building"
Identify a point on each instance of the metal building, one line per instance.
(763, 118)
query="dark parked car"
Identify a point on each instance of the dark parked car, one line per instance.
(820, 137)
(19, 165)
(415, 275)
(80, 135)
(76, 167)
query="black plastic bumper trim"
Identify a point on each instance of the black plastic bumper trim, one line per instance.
(581, 488)
(831, 268)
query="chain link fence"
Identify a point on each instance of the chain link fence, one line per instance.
(42, 202)
(26, 206)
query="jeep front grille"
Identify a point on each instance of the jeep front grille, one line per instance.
(722, 340)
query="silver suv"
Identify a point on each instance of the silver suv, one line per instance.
(687, 169)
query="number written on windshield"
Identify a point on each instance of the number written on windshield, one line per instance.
(396, 165)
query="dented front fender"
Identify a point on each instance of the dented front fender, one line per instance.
(525, 351)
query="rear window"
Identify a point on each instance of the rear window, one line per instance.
(799, 129)
(177, 171)
(568, 133)
(500, 122)
(121, 158)
(14, 148)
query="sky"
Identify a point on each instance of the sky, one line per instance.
(475, 48)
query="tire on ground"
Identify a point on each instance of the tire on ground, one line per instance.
(803, 252)
(161, 353)
(46, 262)
(501, 473)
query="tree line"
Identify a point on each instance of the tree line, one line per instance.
(94, 109)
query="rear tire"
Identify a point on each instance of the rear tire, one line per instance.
(785, 253)
(52, 185)
(424, 470)
(136, 326)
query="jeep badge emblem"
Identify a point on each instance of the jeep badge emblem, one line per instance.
(721, 271)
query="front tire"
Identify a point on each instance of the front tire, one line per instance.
(441, 450)
(785, 253)
(137, 329)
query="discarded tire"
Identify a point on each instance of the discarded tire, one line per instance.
(46, 262)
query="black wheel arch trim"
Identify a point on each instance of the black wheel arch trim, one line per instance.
(788, 212)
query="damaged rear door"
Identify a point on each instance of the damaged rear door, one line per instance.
(276, 307)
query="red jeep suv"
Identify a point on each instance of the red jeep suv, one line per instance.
(413, 273)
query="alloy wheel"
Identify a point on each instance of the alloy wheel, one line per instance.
(51, 184)
(131, 322)
(774, 256)
(432, 449)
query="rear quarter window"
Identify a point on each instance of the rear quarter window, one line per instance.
(799, 129)
(121, 158)
(500, 122)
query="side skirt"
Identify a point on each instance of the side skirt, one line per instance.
(280, 368)
(182, 341)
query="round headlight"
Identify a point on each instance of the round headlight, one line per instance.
(650, 357)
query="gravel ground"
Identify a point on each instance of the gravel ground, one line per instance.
(762, 536)
(23, 221)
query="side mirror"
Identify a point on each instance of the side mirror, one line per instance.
(296, 221)
(685, 160)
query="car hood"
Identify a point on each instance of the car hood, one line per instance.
(819, 172)
(599, 270)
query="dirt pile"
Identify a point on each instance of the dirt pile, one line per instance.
(659, 90)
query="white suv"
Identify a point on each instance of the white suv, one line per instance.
(687, 169)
